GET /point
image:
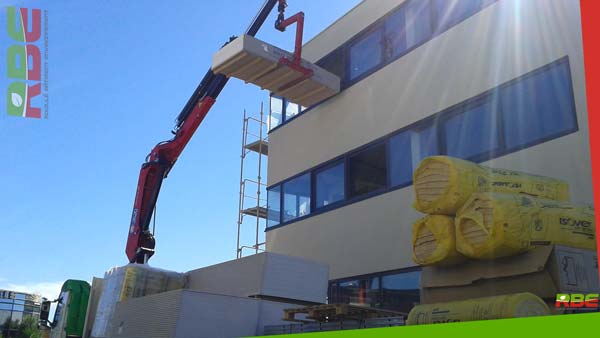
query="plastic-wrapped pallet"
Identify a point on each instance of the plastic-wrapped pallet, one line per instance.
(493, 225)
(497, 307)
(443, 184)
(434, 241)
(131, 281)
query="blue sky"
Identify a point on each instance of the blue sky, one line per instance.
(119, 73)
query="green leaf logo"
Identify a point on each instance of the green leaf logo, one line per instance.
(16, 99)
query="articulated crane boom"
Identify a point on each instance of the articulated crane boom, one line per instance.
(140, 242)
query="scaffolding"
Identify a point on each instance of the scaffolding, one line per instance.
(251, 204)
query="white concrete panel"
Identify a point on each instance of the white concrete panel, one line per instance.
(264, 274)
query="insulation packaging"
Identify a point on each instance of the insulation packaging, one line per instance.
(434, 241)
(131, 281)
(498, 307)
(493, 225)
(543, 271)
(443, 184)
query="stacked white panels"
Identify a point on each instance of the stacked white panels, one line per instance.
(186, 313)
(265, 274)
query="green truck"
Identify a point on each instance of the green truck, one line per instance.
(71, 309)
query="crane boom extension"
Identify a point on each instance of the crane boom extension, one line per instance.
(140, 241)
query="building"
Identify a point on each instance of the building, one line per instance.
(15, 306)
(498, 82)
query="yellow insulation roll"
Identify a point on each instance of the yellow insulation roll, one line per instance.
(493, 225)
(497, 307)
(139, 281)
(443, 184)
(434, 242)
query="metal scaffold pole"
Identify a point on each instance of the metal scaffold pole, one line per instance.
(258, 210)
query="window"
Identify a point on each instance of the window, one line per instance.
(538, 107)
(452, 12)
(329, 185)
(408, 148)
(368, 170)
(366, 53)
(407, 27)
(291, 109)
(276, 114)
(334, 63)
(4, 316)
(296, 197)
(281, 111)
(418, 22)
(361, 291)
(400, 292)
(273, 206)
(401, 167)
(473, 132)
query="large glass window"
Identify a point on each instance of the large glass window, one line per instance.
(368, 170)
(451, 12)
(281, 111)
(474, 132)
(361, 291)
(291, 109)
(538, 107)
(296, 197)
(273, 206)
(400, 292)
(366, 53)
(4, 316)
(276, 115)
(407, 27)
(401, 167)
(408, 148)
(329, 185)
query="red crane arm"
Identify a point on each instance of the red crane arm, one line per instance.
(140, 242)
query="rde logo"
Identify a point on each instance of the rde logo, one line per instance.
(23, 61)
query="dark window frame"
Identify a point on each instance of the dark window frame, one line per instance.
(378, 275)
(321, 169)
(359, 151)
(436, 119)
(310, 196)
(487, 97)
(280, 218)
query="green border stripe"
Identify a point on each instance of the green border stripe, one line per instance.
(574, 325)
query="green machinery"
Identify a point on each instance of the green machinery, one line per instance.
(71, 308)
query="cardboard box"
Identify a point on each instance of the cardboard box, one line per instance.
(543, 271)
(264, 275)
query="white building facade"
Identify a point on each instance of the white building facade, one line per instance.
(497, 82)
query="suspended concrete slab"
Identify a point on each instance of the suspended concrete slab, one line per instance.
(257, 62)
